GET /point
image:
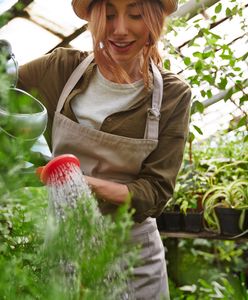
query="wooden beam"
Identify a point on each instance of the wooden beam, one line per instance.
(70, 37)
(192, 8)
(17, 10)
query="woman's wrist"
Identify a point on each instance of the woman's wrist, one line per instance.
(113, 192)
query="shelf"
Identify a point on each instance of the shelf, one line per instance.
(202, 235)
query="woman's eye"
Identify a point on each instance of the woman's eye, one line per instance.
(110, 17)
(135, 17)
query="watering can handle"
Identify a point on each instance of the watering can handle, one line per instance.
(11, 69)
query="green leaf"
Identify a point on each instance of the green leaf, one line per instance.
(187, 61)
(198, 66)
(222, 84)
(197, 107)
(209, 78)
(207, 54)
(209, 93)
(218, 8)
(191, 136)
(198, 129)
(242, 121)
(243, 99)
(197, 54)
(226, 56)
(228, 12)
(244, 57)
(167, 64)
(229, 94)
(203, 93)
(215, 36)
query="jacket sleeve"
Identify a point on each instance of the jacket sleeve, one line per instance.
(156, 182)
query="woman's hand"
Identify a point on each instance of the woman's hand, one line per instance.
(113, 192)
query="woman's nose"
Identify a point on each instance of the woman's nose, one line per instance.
(120, 26)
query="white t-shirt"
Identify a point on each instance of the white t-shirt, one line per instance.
(103, 98)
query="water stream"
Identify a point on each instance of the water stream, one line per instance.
(65, 186)
(69, 194)
(77, 234)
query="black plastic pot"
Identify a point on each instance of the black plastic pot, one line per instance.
(245, 224)
(228, 220)
(171, 221)
(193, 222)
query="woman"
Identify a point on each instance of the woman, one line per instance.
(122, 116)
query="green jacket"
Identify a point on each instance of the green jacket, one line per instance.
(46, 76)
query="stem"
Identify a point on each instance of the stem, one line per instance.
(191, 152)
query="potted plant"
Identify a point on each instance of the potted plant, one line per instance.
(183, 212)
(171, 218)
(188, 194)
(224, 207)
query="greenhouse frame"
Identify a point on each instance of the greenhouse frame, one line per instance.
(205, 43)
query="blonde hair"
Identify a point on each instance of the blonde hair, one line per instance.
(153, 14)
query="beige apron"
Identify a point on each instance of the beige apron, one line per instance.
(119, 159)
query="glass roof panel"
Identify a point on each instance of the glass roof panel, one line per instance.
(217, 117)
(83, 42)
(6, 4)
(24, 35)
(57, 15)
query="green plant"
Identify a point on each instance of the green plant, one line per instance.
(232, 170)
(32, 269)
(200, 268)
(191, 185)
(230, 195)
(225, 287)
(214, 162)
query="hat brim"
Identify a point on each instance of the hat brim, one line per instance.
(81, 7)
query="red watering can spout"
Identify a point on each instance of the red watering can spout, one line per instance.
(57, 169)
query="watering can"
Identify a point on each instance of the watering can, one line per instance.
(21, 115)
(58, 170)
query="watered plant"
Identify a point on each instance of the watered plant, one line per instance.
(79, 258)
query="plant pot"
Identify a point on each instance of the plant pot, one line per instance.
(228, 220)
(245, 224)
(170, 221)
(193, 222)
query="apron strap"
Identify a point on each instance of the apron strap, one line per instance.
(153, 113)
(72, 81)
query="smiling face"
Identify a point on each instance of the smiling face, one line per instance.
(126, 32)
(125, 35)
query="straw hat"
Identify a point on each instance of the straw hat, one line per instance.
(81, 7)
